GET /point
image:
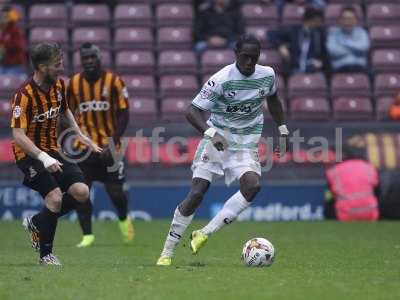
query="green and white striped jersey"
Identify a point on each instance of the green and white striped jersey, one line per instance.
(236, 103)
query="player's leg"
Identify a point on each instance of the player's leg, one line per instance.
(183, 216)
(84, 211)
(249, 187)
(119, 198)
(76, 191)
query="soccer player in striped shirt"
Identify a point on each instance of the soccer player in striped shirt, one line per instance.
(99, 100)
(234, 96)
(36, 109)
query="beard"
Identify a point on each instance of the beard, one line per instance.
(49, 80)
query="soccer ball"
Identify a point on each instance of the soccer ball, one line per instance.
(258, 252)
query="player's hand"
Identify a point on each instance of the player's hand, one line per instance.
(283, 145)
(56, 167)
(219, 142)
(50, 163)
(88, 142)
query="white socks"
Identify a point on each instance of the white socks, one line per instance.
(229, 212)
(176, 231)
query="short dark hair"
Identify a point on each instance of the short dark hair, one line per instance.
(312, 12)
(247, 39)
(86, 45)
(44, 53)
(348, 8)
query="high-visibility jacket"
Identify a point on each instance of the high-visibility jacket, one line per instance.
(352, 184)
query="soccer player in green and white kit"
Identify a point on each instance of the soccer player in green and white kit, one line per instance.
(235, 97)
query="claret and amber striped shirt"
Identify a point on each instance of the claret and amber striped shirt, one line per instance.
(96, 104)
(38, 112)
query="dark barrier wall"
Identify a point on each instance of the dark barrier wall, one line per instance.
(273, 203)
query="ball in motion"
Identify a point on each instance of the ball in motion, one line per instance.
(258, 252)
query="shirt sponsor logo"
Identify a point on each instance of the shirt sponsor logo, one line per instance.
(94, 106)
(50, 114)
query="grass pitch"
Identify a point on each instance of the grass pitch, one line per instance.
(321, 260)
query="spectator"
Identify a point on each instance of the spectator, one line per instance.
(353, 186)
(348, 44)
(12, 43)
(281, 3)
(302, 47)
(218, 24)
(394, 110)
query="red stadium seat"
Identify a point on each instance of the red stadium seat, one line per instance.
(49, 34)
(6, 153)
(9, 84)
(292, 14)
(174, 14)
(213, 60)
(261, 33)
(260, 14)
(106, 61)
(271, 58)
(140, 85)
(385, 36)
(382, 107)
(352, 108)
(309, 108)
(173, 154)
(177, 62)
(174, 38)
(143, 109)
(139, 151)
(96, 35)
(307, 85)
(350, 85)
(133, 14)
(54, 15)
(141, 62)
(173, 109)
(126, 38)
(333, 11)
(386, 60)
(90, 14)
(387, 84)
(178, 86)
(383, 13)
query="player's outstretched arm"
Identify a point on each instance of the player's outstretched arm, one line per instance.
(84, 139)
(276, 110)
(195, 116)
(21, 139)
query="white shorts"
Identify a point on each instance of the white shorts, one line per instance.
(209, 163)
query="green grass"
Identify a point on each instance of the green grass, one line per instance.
(322, 260)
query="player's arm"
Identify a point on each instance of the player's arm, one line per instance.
(276, 110)
(21, 139)
(69, 117)
(19, 124)
(122, 110)
(203, 102)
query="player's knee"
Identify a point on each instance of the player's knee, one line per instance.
(53, 200)
(250, 190)
(79, 191)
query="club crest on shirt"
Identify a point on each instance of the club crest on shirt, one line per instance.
(104, 92)
(59, 96)
(262, 92)
(17, 111)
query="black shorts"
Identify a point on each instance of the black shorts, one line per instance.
(97, 168)
(39, 179)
